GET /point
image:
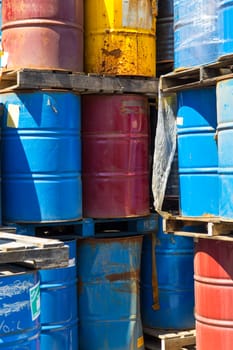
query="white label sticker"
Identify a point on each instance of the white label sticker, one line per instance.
(13, 116)
(137, 14)
(179, 121)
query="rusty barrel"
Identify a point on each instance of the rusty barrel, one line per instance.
(109, 307)
(213, 269)
(115, 156)
(43, 33)
(120, 37)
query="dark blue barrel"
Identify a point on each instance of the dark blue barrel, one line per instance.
(174, 273)
(41, 162)
(197, 152)
(225, 27)
(19, 308)
(196, 39)
(225, 145)
(165, 32)
(59, 309)
(109, 307)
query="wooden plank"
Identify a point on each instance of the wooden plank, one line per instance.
(169, 340)
(31, 241)
(80, 82)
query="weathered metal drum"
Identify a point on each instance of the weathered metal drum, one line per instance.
(19, 308)
(59, 309)
(120, 37)
(225, 27)
(165, 32)
(43, 33)
(196, 37)
(225, 144)
(197, 152)
(109, 307)
(115, 156)
(213, 267)
(173, 274)
(41, 157)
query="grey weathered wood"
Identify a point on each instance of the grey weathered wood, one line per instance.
(35, 251)
(82, 83)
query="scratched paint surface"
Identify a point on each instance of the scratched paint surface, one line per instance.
(120, 37)
(18, 322)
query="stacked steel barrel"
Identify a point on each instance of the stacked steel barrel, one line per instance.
(67, 157)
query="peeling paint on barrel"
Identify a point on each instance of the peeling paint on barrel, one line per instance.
(43, 33)
(120, 37)
(109, 307)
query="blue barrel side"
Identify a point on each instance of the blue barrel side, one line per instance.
(174, 266)
(41, 157)
(19, 308)
(59, 305)
(196, 38)
(197, 152)
(225, 27)
(225, 144)
(109, 307)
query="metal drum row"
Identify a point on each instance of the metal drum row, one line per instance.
(40, 310)
(204, 119)
(119, 37)
(202, 32)
(42, 179)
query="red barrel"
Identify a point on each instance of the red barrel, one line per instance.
(115, 156)
(45, 34)
(213, 268)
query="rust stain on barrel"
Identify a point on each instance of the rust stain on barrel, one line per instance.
(124, 276)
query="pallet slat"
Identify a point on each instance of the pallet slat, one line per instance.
(83, 83)
(33, 251)
(169, 340)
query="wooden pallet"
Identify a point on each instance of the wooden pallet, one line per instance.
(167, 340)
(201, 76)
(83, 83)
(39, 253)
(198, 227)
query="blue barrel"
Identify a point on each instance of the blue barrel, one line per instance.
(59, 309)
(225, 144)
(109, 305)
(225, 27)
(174, 273)
(41, 157)
(19, 308)
(196, 38)
(197, 152)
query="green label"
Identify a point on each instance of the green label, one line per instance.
(35, 301)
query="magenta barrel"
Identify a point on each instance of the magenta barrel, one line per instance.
(115, 156)
(43, 33)
(213, 274)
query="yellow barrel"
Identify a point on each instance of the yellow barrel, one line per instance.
(120, 37)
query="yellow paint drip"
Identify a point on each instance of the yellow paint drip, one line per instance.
(120, 37)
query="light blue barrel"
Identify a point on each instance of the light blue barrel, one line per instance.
(41, 157)
(196, 37)
(173, 273)
(59, 309)
(225, 27)
(225, 145)
(109, 305)
(197, 152)
(19, 308)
